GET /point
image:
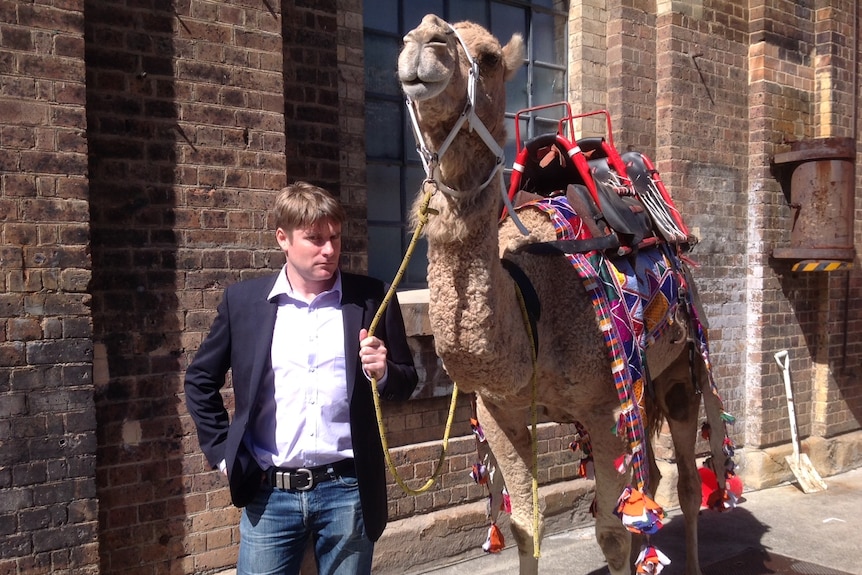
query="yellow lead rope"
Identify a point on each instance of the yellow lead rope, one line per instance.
(423, 219)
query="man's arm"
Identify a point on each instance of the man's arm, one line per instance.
(203, 381)
(401, 376)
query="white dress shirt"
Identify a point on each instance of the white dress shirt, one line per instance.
(303, 415)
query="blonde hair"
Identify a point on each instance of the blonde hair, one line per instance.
(301, 205)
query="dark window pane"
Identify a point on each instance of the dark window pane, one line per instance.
(516, 91)
(510, 149)
(474, 10)
(383, 130)
(506, 20)
(384, 252)
(549, 37)
(544, 126)
(417, 269)
(410, 145)
(545, 3)
(381, 53)
(548, 85)
(413, 178)
(381, 15)
(384, 195)
(415, 10)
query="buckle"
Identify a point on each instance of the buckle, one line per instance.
(299, 473)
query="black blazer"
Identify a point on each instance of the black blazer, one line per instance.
(240, 339)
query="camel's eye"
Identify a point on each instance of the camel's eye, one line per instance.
(489, 60)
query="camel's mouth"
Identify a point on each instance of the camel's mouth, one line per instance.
(418, 89)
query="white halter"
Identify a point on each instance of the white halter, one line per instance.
(431, 160)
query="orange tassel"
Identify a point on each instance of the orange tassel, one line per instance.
(495, 542)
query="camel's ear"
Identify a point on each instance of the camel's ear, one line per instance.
(513, 55)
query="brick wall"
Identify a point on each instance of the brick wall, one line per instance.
(701, 135)
(48, 506)
(186, 131)
(800, 88)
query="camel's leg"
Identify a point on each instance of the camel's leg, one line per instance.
(680, 403)
(510, 441)
(713, 407)
(613, 538)
(495, 480)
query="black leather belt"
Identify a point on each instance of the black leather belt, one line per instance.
(306, 478)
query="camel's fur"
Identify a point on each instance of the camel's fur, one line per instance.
(475, 316)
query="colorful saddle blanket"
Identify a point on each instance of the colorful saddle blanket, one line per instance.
(635, 299)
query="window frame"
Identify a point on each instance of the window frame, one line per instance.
(409, 162)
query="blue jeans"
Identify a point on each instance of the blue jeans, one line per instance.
(275, 527)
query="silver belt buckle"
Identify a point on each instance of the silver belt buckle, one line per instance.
(306, 472)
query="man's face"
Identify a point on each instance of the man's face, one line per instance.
(312, 252)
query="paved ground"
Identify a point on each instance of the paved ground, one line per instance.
(780, 530)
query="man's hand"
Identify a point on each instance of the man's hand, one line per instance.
(372, 354)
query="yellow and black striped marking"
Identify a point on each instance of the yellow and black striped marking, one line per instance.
(821, 266)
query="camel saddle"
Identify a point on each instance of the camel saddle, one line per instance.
(606, 189)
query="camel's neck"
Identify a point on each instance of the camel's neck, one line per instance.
(474, 312)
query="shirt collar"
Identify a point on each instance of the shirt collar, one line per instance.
(282, 287)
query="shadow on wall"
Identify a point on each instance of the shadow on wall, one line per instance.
(826, 309)
(132, 128)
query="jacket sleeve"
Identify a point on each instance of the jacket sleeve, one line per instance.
(203, 382)
(401, 377)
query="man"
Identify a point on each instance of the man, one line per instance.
(302, 453)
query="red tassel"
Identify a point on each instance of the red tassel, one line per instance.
(495, 541)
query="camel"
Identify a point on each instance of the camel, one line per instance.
(475, 314)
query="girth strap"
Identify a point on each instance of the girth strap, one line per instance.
(531, 298)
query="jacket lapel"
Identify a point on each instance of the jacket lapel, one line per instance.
(352, 313)
(265, 312)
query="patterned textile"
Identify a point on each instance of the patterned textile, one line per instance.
(634, 299)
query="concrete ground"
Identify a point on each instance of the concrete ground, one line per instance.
(822, 529)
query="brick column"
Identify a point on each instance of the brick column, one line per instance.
(836, 114)
(186, 127)
(632, 75)
(588, 62)
(48, 506)
(701, 152)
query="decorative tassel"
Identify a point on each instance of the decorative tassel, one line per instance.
(506, 502)
(495, 541)
(622, 462)
(586, 468)
(620, 427)
(651, 561)
(728, 418)
(712, 497)
(479, 474)
(728, 447)
(639, 513)
(477, 429)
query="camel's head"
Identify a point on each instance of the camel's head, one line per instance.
(432, 64)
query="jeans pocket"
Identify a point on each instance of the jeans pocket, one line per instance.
(347, 481)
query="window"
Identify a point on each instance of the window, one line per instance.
(393, 165)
